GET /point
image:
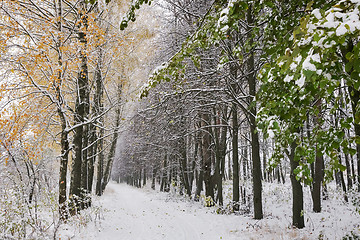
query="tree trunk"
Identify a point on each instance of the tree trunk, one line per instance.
(200, 179)
(153, 178)
(264, 159)
(111, 155)
(297, 192)
(64, 142)
(318, 178)
(100, 167)
(348, 172)
(235, 152)
(206, 153)
(255, 146)
(184, 168)
(81, 106)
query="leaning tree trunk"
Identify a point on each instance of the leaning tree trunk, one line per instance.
(111, 156)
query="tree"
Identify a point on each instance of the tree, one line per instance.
(304, 81)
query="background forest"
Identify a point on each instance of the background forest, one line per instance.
(212, 100)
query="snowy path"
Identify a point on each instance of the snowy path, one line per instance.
(128, 213)
(133, 214)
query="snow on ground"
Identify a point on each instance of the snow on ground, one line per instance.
(128, 213)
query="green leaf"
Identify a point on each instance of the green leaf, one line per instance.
(357, 64)
(348, 67)
(342, 167)
(349, 56)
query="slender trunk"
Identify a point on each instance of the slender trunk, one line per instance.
(64, 142)
(348, 172)
(81, 112)
(282, 173)
(222, 153)
(206, 153)
(153, 178)
(63, 167)
(111, 155)
(245, 160)
(164, 183)
(92, 151)
(318, 178)
(192, 174)
(184, 168)
(200, 179)
(235, 152)
(100, 163)
(255, 146)
(297, 192)
(342, 180)
(264, 158)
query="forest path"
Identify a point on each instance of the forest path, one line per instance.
(135, 214)
(129, 213)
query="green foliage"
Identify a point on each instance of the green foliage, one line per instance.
(131, 15)
(216, 26)
(304, 80)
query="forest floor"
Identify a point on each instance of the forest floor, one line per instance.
(128, 213)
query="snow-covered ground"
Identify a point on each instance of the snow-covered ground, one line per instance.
(128, 213)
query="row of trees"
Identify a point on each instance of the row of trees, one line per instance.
(64, 68)
(235, 67)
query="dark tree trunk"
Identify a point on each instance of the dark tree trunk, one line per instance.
(100, 167)
(318, 178)
(64, 142)
(200, 179)
(164, 177)
(342, 180)
(235, 152)
(153, 178)
(192, 174)
(206, 153)
(348, 172)
(184, 168)
(81, 112)
(297, 192)
(255, 146)
(264, 160)
(63, 168)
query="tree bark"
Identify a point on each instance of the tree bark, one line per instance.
(81, 106)
(184, 168)
(297, 192)
(206, 154)
(318, 178)
(235, 152)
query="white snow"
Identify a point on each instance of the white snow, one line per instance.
(301, 81)
(128, 213)
(288, 78)
(341, 30)
(307, 65)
